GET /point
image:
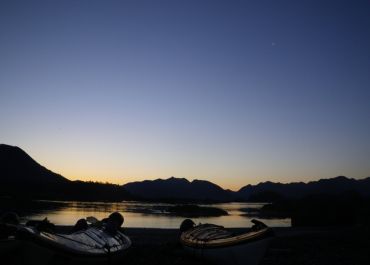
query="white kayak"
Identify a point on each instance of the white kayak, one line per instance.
(220, 246)
(93, 245)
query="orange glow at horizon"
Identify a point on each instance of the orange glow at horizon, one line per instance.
(120, 168)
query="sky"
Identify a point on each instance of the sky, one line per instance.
(234, 92)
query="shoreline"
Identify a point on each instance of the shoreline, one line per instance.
(290, 246)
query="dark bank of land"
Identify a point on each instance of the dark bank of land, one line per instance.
(346, 209)
(291, 246)
(304, 246)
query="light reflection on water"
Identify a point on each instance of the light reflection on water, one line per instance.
(153, 215)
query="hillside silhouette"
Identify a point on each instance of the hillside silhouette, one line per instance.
(179, 189)
(22, 177)
(18, 167)
(270, 191)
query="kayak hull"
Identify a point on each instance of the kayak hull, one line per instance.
(222, 246)
(92, 246)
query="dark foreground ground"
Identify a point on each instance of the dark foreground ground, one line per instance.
(311, 246)
(338, 246)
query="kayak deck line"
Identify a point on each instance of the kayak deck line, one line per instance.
(225, 239)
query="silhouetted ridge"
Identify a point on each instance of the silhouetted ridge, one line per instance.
(178, 189)
(17, 166)
(23, 177)
(294, 190)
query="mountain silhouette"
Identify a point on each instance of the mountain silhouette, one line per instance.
(18, 167)
(179, 189)
(22, 177)
(296, 190)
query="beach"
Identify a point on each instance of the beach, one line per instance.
(321, 246)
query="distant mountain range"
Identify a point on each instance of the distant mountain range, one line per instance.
(268, 191)
(21, 176)
(179, 189)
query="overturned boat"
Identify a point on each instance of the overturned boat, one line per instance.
(93, 245)
(221, 246)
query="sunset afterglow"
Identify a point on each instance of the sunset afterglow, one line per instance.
(233, 92)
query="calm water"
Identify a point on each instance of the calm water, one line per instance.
(139, 214)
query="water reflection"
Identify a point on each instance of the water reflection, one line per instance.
(154, 215)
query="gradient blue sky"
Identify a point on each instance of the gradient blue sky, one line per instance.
(234, 92)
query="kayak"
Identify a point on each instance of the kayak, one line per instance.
(221, 246)
(93, 245)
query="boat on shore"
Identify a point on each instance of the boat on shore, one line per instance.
(92, 246)
(103, 242)
(221, 246)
